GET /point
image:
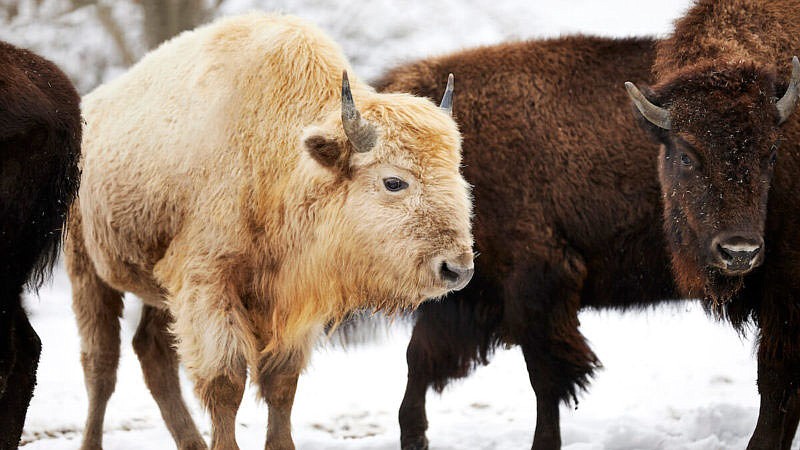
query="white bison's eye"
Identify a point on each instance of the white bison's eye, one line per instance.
(394, 184)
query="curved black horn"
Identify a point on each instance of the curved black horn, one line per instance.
(655, 114)
(447, 98)
(787, 104)
(360, 132)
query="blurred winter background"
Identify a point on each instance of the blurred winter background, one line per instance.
(673, 379)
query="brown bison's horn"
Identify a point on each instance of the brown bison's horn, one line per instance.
(656, 115)
(360, 132)
(447, 99)
(788, 102)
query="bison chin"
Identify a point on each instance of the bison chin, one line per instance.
(697, 280)
(693, 274)
(720, 288)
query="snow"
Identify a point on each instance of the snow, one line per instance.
(673, 378)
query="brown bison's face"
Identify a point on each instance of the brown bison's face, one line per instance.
(405, 204)
(719, 130)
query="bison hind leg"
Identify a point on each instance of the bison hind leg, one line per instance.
(155, 347)
(98, 308)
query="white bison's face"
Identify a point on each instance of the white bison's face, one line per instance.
(405, 205)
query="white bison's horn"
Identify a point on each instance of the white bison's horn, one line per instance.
(447, 98)
(788, 102)
(360, 132)
(655, 114)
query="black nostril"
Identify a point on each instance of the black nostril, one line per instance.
(738, 253)
(449, 274)
(724, 254)
(456, 276)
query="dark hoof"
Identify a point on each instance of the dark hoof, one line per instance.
(420, 443)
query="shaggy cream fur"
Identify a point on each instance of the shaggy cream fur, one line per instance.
(203, 194)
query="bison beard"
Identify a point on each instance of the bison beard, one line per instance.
(694, 277)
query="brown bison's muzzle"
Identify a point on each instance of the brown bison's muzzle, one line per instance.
(737, 253)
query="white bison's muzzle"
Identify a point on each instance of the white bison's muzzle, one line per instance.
(454, 273)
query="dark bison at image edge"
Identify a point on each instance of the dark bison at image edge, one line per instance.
(723, 110)
(40, 135)
(568, 214)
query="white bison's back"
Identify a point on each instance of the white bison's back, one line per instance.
(171, 144)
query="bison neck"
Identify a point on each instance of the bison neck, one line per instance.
(312, 270)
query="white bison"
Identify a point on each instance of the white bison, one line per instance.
(230, 182)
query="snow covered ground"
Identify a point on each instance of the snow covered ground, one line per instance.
(673, 379)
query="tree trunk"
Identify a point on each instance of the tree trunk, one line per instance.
(164, 19)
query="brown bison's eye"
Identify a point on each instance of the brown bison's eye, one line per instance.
(394, 184)
(773, 156)
(686, 160)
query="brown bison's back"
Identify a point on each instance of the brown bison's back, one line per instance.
(555, 156)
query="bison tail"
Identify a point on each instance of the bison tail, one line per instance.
(57, 192)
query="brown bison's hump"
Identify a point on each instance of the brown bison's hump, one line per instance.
(543, 120)
(551, 147)
(562, 62)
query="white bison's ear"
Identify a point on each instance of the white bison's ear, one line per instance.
(327, 151)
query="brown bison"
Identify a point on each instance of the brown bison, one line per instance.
(721, 109)
(568, 214)
(231, 183)
(40, 135)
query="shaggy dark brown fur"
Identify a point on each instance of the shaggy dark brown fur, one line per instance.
(729, 167)
(40, 133)
(568, 214)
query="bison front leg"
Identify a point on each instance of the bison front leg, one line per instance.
(772, 386)
(278, 384)
(154, 345)
(221, 396)
(778, 411)
(542, 306)
(213, 338)
(791, 421)
(778, 361)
